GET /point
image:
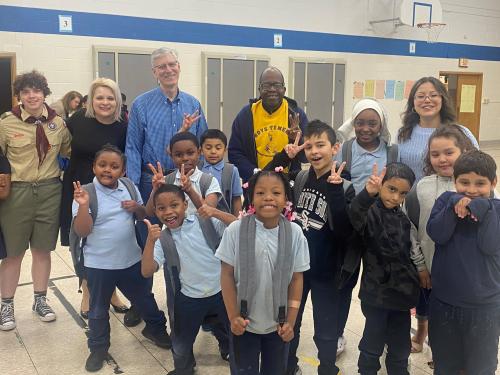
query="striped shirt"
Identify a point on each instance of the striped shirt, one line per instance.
(412, 151)
(153, 121)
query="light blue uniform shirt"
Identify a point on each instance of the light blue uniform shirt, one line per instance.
(112, 244)
(362, 163)
(200, 269)
(195, 181)
(154, 119)
(216, 171)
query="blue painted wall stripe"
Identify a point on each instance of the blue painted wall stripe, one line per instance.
(45, 21)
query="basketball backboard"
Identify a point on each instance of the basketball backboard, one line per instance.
(414, 12)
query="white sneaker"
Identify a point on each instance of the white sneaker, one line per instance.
(7, 320)
(43, 310)
(341, 343)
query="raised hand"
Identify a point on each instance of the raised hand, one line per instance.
(154, 230)
(374, 183)
(189, 120)
(80, 195)
(206, 211)
(293, 149)
(158, 178)
(239, 325)
(185, 179)
(462, 210)
(335, 177)
(293, 126)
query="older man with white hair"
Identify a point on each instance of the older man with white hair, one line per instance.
(154, 118)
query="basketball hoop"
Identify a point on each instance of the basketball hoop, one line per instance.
(433, 30)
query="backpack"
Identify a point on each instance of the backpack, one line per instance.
(298, 186)
(172, 266)
(392, 153)
(205, 181)
(77, 243)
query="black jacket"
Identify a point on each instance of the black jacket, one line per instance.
(382, 240)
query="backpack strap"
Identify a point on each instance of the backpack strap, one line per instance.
(172, 271)
(205, 181)
(227, 183)
(76, 243)
(246, 264)
(298, 185)
(392, 153)
(170, 178)
(209, 232)
(281, 273)
(283, 270)
(130, 187)
(412, 206)
(347, 153)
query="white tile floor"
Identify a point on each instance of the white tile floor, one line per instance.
(60, 347)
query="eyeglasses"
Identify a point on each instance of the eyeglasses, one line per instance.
(431, 96)
(270, 85)
(171, 65)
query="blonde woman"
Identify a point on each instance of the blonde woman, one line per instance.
(68, 104)
(91, 129)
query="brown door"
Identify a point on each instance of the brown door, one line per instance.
(468, 101)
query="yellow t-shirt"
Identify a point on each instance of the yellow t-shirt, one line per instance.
(269, 131)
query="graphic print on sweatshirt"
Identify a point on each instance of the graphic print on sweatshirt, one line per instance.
(311, 209)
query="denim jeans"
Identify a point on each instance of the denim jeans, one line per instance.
(102, 284)
(325, 299)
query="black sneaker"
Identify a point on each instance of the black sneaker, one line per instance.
(96, 360)
(174, 372)
(7, 320)
(160, 339)
(132, 317)
(224, 355)
(43, 310)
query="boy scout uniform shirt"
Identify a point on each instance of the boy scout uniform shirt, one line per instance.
(18, 142)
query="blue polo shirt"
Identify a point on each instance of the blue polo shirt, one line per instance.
(112, 244)
(200, 269)
(362, 163)
(216, 171)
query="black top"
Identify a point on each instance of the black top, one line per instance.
(4, 164)
(326, 247)
(88, 137)
(389, 277)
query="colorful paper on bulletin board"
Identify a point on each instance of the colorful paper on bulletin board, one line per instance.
(399, 90)
(358, 90)
(369, 88)
(408, 86)
(467, 98)
(379, 89)
(389, 89)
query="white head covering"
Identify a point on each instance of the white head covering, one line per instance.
(346, 131)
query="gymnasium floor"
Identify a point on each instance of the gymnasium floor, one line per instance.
(37, 348)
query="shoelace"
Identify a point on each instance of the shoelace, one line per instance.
(42, 307)
(7, 312)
